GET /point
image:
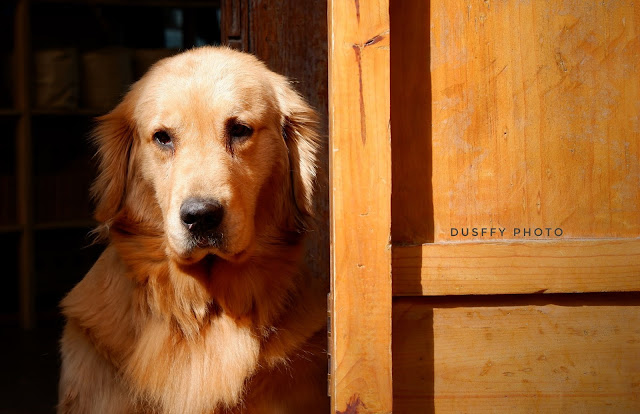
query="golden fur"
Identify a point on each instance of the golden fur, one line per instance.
(163, 325)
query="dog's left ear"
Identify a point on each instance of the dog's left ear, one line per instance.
(113, 137)
(299, 130)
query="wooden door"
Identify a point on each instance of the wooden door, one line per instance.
(517, 116)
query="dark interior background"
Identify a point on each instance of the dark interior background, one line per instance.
(64, 62)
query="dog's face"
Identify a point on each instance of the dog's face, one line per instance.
(222, 143)
(208, 143)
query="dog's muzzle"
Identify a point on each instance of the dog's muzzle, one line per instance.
(202, 218)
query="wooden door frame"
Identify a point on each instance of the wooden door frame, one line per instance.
(360, 203)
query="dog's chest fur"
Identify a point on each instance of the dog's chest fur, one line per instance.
(160, 366)
(192, 375)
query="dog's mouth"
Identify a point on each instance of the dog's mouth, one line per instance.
(207, 241)
(209, 247)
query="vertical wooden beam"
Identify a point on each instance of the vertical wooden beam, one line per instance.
(24, 164)
(360, 165)
(235, 24)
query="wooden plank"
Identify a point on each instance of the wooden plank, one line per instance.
(535, 116)
(574, 356)
(529, 267)
(360, 192)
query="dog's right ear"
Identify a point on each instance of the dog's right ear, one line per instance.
(113, 137)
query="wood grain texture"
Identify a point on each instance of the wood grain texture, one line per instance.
(291, 37)
(569, 357)
(536, 116)
(360, 182)
(505, 268)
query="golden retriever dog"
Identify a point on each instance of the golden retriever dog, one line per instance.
(201, 302)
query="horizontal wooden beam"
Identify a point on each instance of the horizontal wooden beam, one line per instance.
(571, 356)
(506, 268)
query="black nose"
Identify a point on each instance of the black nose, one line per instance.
(201, 216)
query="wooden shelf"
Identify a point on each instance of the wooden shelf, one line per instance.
(136, 3)
(69, 112)
(10, 112)
(10, 228)
(67, 224)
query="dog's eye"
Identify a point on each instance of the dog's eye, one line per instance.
(239, 131)
(163, 138)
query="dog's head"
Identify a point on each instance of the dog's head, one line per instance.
(214, 146)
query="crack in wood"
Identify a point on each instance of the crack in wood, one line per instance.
(374, 40)
(357, 48)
